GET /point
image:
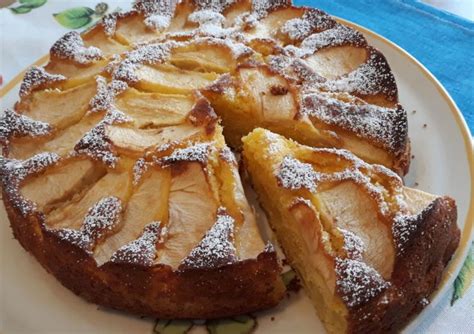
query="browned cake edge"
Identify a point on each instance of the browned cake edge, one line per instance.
(158, 291)
(417, 273)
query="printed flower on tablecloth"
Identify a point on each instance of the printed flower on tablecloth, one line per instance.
(464, 280)
(27, 5)
(80, 17)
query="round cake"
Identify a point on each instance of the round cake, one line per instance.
(117, 169)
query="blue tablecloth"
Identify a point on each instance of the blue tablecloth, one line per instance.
(443, 42)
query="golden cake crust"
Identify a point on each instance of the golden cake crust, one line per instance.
(159, 291)
(417, 272)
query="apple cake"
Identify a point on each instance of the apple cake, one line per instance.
(369, 251)
(117, 173)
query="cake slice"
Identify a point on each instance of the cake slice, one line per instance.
(368, 250)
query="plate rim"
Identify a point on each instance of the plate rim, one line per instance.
(467, 236)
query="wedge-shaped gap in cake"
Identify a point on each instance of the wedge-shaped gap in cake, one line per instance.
(247, 240)
(257, 94)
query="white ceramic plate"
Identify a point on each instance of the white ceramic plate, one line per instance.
(34, 302)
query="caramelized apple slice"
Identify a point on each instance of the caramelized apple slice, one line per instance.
(71, 214)
(155, 109)
(61, 182)
(132, 30)
(137, 141)
(62, 143)
(192, 210)
(269, 26)
(333, 62)
(204, 57)
(149, 203)
(269, 94)
(97, 37)
(172, 80)
(75, 73)
(235, 10)
(351, 209)
(59, 108)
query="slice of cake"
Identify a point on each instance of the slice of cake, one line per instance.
(368, 250)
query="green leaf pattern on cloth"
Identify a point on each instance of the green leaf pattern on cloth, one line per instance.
(288, 276)
(80, 17)
(464, 280)
(243, 324)
(172, 326)
(27, 5)
(74, 18)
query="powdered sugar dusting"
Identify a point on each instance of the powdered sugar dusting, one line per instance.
(386, 126)
(17, 125)
(157, 13)
(37, 77)
(106, 93)
(145, 54)
(216, 249)
(158, 22)
(139, 169)
(353, 245)
(152, 7)
(227, 155)
(261, 8)
(312, 20)
(71, 46)
(13, 172)
(207, 16)
(198, 153)
(141, 251)
(405, 226)
(337, 36)
(101, 220)
(95, 143)
(294, 174)
(213, 5)
(371, 78)
(357, 282)
(109, 23)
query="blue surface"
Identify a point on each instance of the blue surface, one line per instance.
(443, 42)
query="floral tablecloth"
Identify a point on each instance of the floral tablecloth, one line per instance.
(29, 27)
